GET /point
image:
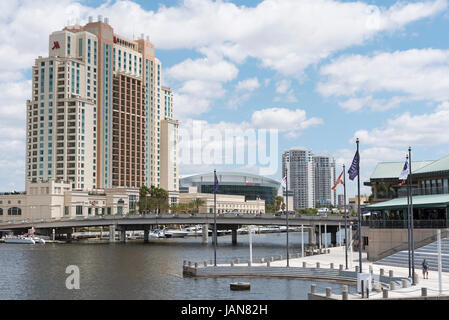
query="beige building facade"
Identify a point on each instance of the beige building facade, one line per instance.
(225, 203)
(56, 200)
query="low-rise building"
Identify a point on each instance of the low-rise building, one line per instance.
(225, 203)
(56, 199)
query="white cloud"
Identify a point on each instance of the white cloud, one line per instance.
(408, 75)
(426, 129)
(250, 84)
(204, 70)
(284, 120)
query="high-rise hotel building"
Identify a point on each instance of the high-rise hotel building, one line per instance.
(99, 116)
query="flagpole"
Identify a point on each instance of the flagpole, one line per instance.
(408, 220)
(346, 218)
(411, 215)
(286, 205)
(358, 208)
(215, 218)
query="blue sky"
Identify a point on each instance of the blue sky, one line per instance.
(320, 72)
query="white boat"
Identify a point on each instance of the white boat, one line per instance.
(157, 233)
(172, 233)
(20, 240)
(194, 231)
(39, 240)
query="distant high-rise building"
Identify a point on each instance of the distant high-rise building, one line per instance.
(301, 179)
(97, 112)
(341, 200)
(324, 172)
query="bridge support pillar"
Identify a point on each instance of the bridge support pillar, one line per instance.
(234, 236)
(205, 233)
(146, 235)
(334, 236)
(69, 237)
(312, 236)
(123, 235)
(111, 233)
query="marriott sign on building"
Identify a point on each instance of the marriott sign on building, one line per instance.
(97, 119)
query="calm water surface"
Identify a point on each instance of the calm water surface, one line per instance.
(143, 271)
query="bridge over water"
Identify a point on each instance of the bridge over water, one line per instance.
(145, 222)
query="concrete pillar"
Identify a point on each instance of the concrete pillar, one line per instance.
(317, 265)
(249, 263)
(312, 236)
(392, 285)
(424, 292)
(205, 263)
(232, 263)
(268, 263)
(341, 267)
(332, 265)
(146, 235)
(313, 289)
(237, 260)
(271, 259)
(234, 237)
(344, 295)
(334, 236)
(385, 293)
(53, 234)
(382, 272)
(416, 278)
(304, 264)
(123, 235)
(328, 292)
(390, 273)
(356, 268)
(404, 283)
(112, 233)
(297, 255)
(205, 234)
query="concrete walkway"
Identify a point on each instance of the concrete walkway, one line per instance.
(337, 256)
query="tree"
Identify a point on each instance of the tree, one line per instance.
(197, 203)
(278, 201)
(153, 199)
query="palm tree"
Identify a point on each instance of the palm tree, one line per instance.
(197, 203)
(278, 201)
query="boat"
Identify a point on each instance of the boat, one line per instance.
(35, 238)
(194, 231)
(173, 233)
(19, 240)
(157, 233)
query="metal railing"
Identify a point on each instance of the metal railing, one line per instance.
(402, 224)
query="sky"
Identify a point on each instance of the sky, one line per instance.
(312, 73)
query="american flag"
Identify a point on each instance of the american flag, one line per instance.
(284, 182)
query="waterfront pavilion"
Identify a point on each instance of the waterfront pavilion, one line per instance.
(385, 225)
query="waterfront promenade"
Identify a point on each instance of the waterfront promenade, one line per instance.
(337, 257)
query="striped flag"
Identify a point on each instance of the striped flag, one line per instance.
(284, 182)
(338, 181)
(404, 173)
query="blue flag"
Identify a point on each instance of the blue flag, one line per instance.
(354, 169)
(216, 184)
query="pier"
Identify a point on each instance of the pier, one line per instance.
(388, 282)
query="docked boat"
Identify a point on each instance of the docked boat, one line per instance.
(173, 233)
(157, 234)
(194, 231)
(19, 240)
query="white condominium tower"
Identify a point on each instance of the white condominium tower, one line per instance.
(310, 178)
(97, 112)
(301, 181)
(324, 180)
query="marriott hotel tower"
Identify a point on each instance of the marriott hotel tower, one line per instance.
(98, 113)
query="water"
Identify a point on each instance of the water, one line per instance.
(144, 271)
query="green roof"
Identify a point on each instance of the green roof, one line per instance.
(438, 165)
(391, 170)
(429, 201)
